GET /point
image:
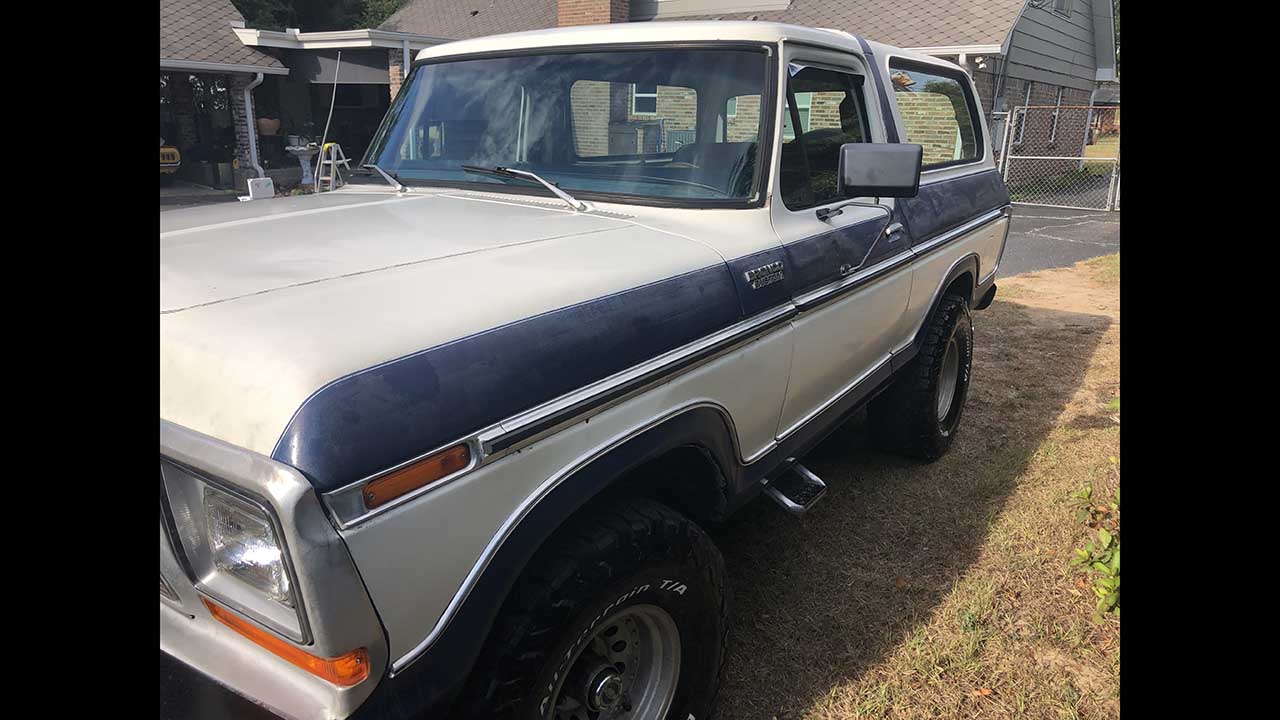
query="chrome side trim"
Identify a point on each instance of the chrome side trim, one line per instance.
(346, 503)
(519, 514)
(818, 294)
(953, 233)
(729, 337)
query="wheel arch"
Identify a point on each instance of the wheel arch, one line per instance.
(689, 460)
(961, 279)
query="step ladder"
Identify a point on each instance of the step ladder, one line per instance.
(796, 490)
(331, 158)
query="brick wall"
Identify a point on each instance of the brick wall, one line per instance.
(824, 110)
(592, 12)
(240, 118)
(395, 69)
(930, 120)
(745, 124)
(986, 84)
(590, 102)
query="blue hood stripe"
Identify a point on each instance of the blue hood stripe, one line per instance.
(371, 420)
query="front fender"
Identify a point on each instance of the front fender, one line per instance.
(433, 680)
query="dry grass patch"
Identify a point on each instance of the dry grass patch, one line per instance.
(1106, 269)
(945, 590)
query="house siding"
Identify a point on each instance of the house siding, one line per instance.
(1047, 48)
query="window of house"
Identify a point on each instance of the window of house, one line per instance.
(938, 112)
(1062, 7)
(644, 99)
(824, 110)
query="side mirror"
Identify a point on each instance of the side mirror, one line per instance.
(879, 170)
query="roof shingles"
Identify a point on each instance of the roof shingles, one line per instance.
(200, 31)
(462, 19)
(904, 23)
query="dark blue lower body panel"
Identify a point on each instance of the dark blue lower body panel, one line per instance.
(944, 205)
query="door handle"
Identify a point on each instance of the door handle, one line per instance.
(893, 229)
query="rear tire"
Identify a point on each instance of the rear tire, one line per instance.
(920, 412)
(626, 597)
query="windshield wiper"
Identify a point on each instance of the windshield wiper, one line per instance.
(391, 180)
(506, 172)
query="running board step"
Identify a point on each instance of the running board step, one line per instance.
(797, 490)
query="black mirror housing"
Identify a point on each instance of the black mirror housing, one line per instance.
(879, 170)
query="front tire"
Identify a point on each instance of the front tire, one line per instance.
(920, 412)
(624, 608)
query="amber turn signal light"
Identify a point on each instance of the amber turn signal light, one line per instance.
(345, 670)
(410, 478)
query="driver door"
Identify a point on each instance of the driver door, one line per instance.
(850, 311)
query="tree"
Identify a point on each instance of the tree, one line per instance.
(266, 14)
(376, 12)
(316, 15)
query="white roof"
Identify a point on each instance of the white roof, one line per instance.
(664, 32)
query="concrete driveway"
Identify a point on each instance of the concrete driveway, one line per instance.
(1042, 238)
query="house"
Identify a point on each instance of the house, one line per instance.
(1019, 52)
(231, 97)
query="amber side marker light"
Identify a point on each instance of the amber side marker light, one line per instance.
(345, 670)
(407, 479)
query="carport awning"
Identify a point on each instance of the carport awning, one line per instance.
(358, 67)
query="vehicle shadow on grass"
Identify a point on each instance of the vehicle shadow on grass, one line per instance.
(819, 599)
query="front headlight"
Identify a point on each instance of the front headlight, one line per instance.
(244, 545)
(233, 550)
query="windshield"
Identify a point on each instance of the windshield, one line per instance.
(673, 125)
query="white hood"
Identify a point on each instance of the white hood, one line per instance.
(263, 303)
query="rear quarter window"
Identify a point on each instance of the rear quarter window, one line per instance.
(938, 112)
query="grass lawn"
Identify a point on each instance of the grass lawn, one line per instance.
(945, 590)
(1106, 147)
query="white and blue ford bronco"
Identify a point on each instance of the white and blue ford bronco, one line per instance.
(443, 442)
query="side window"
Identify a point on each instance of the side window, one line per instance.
(824, 109)
(937, 112)
(615, 118)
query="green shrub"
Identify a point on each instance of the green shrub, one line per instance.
(1100, 558)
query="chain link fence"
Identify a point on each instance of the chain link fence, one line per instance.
(1063, 156)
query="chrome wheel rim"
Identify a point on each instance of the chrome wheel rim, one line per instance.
(950, 376)
(628, 669)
